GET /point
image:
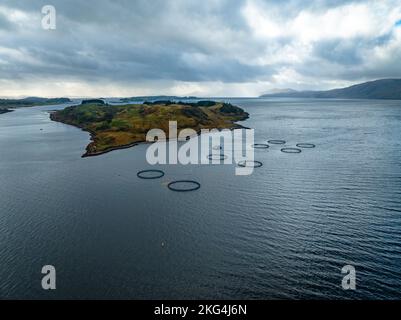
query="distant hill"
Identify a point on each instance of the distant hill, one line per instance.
(30, 102)
(378, 89)
(93, 101)
(156, 98)
(280, 91)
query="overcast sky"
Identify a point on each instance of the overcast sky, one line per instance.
(192, 47)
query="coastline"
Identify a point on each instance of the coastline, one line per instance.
(92, 134)
(3, 111)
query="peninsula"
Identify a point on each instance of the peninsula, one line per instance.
(122, 126)
(5, 104)
(4, 110)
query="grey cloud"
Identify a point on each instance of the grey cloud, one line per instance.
(182, 40)
(5, 24)
(131, 40)
(341, 52)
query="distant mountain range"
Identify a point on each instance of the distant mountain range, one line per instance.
(378, 89)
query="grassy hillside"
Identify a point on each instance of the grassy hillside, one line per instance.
(115, 127)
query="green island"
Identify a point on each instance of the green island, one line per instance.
(121, 126)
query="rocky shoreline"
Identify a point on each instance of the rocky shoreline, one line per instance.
(91, 117)
(5, 111)
(90, 153)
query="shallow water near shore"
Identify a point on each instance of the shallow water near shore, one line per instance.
(283, 232)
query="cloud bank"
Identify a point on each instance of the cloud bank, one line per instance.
(203, 48)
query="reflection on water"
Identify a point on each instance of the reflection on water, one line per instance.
(283, 232)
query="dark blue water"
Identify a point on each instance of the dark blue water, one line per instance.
(284, 232)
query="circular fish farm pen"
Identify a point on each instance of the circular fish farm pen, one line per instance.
(260, 146)
(306, 145)
(216, 156)
(276, 141)
(183, 185)
(150, 174)
(250, 164)
(291, 150)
